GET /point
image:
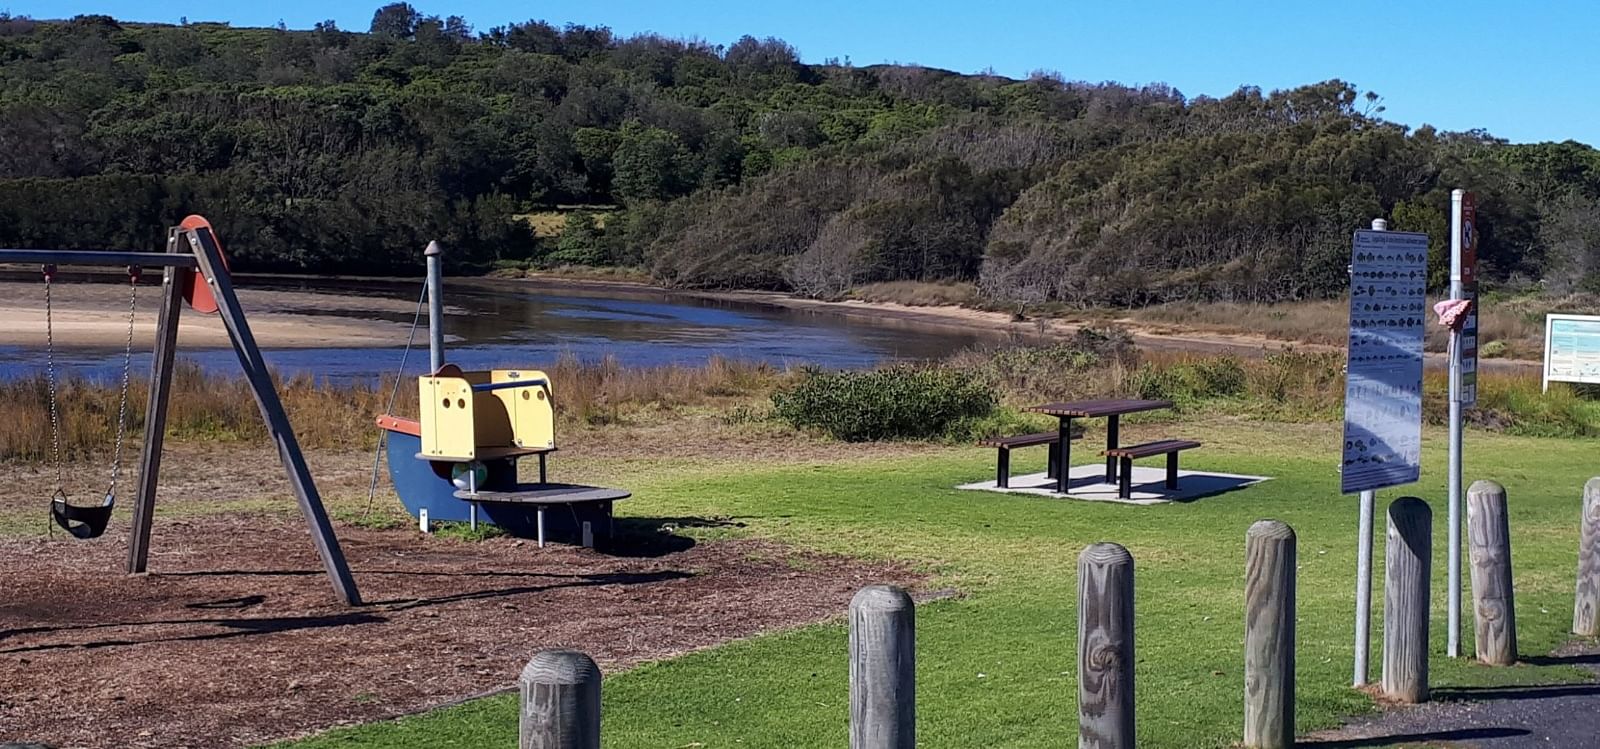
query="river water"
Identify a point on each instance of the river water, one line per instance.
(518, 325)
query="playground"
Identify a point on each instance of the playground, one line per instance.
(709, 589)
(237, 642)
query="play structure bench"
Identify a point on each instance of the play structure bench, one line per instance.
(1130, 453)
(542, 496)
(1002, 471)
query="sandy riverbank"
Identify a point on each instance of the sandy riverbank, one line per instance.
(94, 315)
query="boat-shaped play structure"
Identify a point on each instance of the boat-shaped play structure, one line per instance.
(458, 460)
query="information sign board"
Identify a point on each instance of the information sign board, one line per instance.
(1383, 383)
(1571, 349)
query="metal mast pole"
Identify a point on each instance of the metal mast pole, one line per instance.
(435, 306)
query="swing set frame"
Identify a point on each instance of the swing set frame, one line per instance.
(193, 255)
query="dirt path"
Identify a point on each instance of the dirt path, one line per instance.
(1565, 715)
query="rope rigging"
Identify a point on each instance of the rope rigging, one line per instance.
(377, 453)
(86, 521)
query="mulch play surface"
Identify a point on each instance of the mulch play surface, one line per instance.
(236, 639)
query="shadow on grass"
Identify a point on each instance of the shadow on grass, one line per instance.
(651, 537)
(1401, 739)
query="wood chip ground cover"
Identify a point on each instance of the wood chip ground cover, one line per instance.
(238, 640)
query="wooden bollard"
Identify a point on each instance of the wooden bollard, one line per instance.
(1105, 647)
(560, 702)
(1489, 545)
(1586, 609)
(1407, 562)
(1269, 635)
(883, 671)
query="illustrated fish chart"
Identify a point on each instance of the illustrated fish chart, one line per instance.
(1383, 386)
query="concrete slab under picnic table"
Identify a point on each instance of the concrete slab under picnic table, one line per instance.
(1088, 482)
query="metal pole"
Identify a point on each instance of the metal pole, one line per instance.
(1453, 554)
(1369, 500)
(435, 306)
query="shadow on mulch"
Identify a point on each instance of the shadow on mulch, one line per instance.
(246, 626)
(1466, 734)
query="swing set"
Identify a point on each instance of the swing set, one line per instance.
(195, 272)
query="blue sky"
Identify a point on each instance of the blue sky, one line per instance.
(1527, 71)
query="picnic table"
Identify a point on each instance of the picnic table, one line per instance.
(1111, 409)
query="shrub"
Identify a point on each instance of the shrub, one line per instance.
(1191, 380)
(900, 402)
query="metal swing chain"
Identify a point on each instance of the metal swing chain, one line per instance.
(50, 382)
(127, 368)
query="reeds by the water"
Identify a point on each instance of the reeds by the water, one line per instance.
(210, 407)
(1290, 386)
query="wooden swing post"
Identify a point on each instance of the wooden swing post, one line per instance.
(155, 414)
(191, 250)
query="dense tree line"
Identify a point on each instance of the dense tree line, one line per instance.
(736, 166)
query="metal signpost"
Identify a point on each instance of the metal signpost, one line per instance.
(1463, 386)
(1571, 349)
(1383, 388)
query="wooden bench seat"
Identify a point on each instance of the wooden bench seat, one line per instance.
(1002, 472)
(1130, 453)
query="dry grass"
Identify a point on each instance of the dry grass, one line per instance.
(606, 392)
(201, 408)
(1514, 326)
(919, 293)
(1324, 322)
(340, 416)
(1284, 386)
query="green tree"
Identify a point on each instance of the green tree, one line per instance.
(648, 164)
(580, 242)
(1424, 215)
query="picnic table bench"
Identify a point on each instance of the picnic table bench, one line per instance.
(1002, 471)
(1127, 455)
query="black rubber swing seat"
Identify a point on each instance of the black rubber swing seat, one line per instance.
(81, 522)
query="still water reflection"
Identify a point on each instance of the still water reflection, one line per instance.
(524, 324)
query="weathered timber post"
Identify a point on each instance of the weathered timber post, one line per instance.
(1586, 609)
(1489, 544)
(560, 702)
(1105, 647)
(1269, 635)
(1407, 561)
(883, 671)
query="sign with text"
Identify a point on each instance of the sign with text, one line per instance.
(1383, 381)
(1469, 290)
(1571, 349)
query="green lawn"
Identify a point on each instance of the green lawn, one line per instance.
(996, 667)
